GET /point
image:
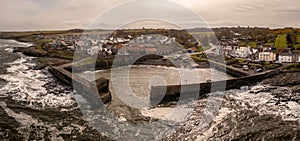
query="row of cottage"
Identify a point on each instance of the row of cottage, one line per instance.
(93, 45)
(261, 54)
(145, 44)
(283, 57)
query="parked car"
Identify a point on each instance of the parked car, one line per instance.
(259, 70)
(246, 68)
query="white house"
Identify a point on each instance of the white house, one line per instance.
(242, 52)
(227, 50)
(93, 50)
(286, 57)
(267, 56)
(296, 57)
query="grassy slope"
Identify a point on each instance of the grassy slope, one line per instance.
(281, 41)
(297, 46)
(252, 44)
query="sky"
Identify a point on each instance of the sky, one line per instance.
(68, 14)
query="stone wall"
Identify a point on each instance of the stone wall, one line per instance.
(123, 60)
(86, 88)
(173, 92)
(228, 70)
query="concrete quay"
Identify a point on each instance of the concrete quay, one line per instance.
(174, 92)
(86, 88)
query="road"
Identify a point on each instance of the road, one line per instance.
(212, 50)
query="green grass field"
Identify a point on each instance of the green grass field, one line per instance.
(199, 35)
(269, 44)
(281, 41)
(252, 44)
(203, 33)
(297, 46)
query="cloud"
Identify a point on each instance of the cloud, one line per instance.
(65, 14)
(290, 12)
(248, 7)
(223, 23)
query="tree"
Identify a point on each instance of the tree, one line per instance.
(259, 38)
(295, 31)
(291, 39)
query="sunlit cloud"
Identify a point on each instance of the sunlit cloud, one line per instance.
(66, 14)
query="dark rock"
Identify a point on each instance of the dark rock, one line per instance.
(284, 79)
(2, 83)
(18, 49)
(33, 51)
(8, 127)
(6, 57)
(248, 125)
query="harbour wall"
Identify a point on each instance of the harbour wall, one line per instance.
(88, 89)
(174, 92)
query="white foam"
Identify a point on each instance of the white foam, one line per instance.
(13, 43)
(26, 85)
(264, 103)
(9, 49)
(166, 113)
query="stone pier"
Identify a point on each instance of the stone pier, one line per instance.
(86, 88)
(173, 92)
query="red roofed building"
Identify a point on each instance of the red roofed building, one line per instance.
(150, 50)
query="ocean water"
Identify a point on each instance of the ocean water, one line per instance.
(32, 102)
(27, 85)
(24, 84)
(12, 43)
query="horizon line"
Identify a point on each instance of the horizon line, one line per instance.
(108, 29)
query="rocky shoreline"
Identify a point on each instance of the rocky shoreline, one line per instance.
(46, 124)
(60, 123)
(277, 118)
(240, 117)
(263, 111)
(289, 79)
(31, 118)
(42, 61)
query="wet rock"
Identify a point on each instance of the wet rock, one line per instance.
(18, 49)
(284, 79)
(261, 89)
(248, 125)
(33, 51)
(2, 83)
(43, 62)
(8, 127)
(6, 57)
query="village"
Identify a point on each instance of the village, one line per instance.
(230, 48)
(255, 56)
(97, 45)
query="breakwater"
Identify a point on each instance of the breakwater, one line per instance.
(173, 92)
(88, 89)
(228, 69)
(161, 93)
(93, 63)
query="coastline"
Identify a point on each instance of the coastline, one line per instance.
(281, 80)
(25, 119)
